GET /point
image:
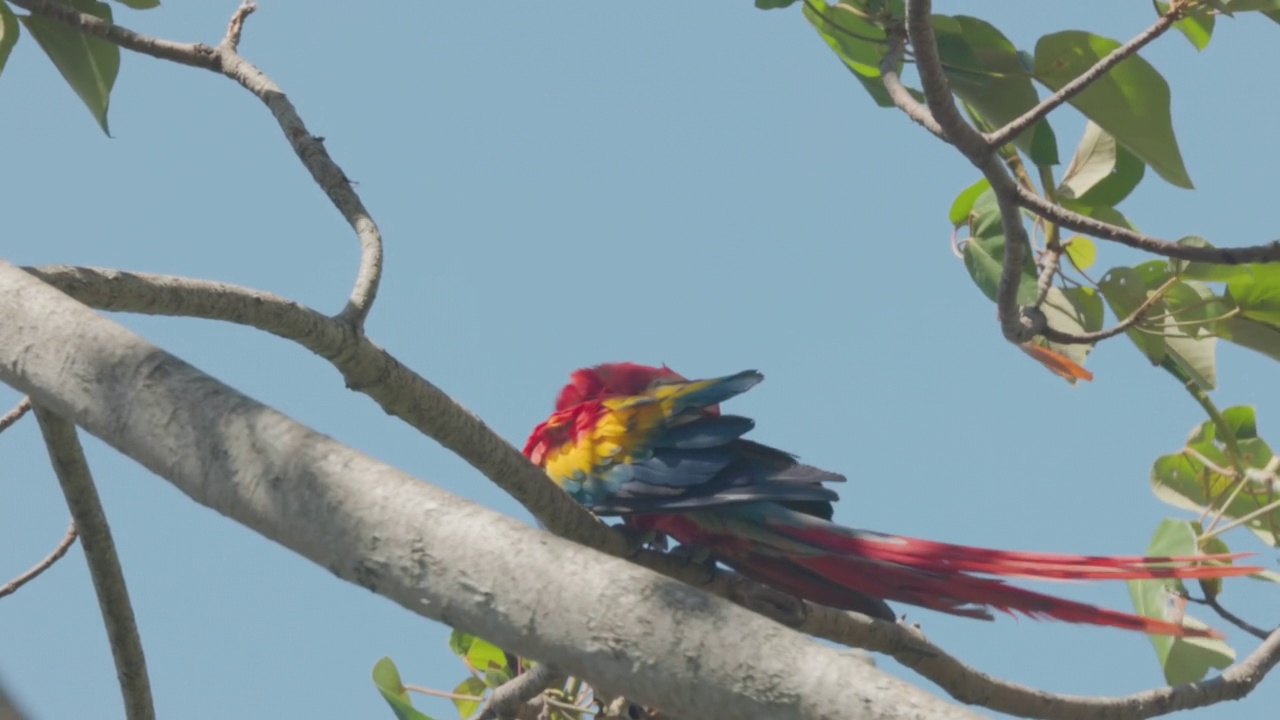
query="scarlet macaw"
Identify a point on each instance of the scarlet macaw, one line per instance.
(648, 445)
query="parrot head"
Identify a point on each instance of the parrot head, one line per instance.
(611, 380)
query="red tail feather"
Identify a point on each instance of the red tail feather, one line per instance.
(854, 569)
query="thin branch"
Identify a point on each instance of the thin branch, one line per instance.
(15, 414)
(1134, 318)
(73, 474)
(310, 149)
(934, 84)
(898, 92)
(236, 27)
(509, 696)
(1225, 614)
(1015, 127)
(61, 549)
(1270, 252)
(974, 687)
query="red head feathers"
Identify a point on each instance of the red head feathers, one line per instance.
(610, 380)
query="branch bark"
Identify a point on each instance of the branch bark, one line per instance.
(661, 642)
(72, 469)
(225, 59)
(168, 295)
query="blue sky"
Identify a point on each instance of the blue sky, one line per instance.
(700, 184)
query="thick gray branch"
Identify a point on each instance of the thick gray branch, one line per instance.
(659, 641)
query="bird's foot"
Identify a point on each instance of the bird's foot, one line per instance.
(694, 555)
(641, 540)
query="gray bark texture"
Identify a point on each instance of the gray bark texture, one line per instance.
(620, 626)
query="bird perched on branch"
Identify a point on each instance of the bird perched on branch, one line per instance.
(646, 444)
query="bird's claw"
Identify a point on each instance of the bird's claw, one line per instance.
(640, 540)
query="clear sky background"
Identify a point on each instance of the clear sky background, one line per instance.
(560, 184)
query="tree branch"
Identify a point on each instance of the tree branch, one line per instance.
(59, 550)
(619, 625)
(1225, 614)
(1134, 318)
(510, 695)
(1270, 252)
(158, 294)
(1015, 127)
(15, 414)
(72, 469)
(934, 84)
(366, 368)
(225, 60)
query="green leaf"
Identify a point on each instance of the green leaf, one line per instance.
(774, 4)
(857, 42)
(1131, 102)
(1082, 251)
(1125, 289)
(1184, 660)
(1247, 333)
(1242, 421)
(88, 64)
(1236, 6)
(1256, 291)
(9, 31)
(983, 258)
(963, 204)
(474, 687)
(460, 642)
(1101, 172)
(148, 4)
(859, 45)
(1093, 161)
(387, 679)
(1197, 26)
(1183, 480)
(484, 655)
(1191, 302)
(1074, 310)
(985, 70)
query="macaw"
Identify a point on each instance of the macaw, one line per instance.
(646, 444)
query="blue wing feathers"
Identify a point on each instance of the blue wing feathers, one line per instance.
(705, 433)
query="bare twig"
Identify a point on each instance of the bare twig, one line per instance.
(1225, 614)
(234, 28)
(104, 565)
(15, 414)
(507, 697)
(898, 92)
(61, 549)
(1015, 127)
(224, 59)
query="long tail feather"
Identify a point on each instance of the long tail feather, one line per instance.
(843, 567)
